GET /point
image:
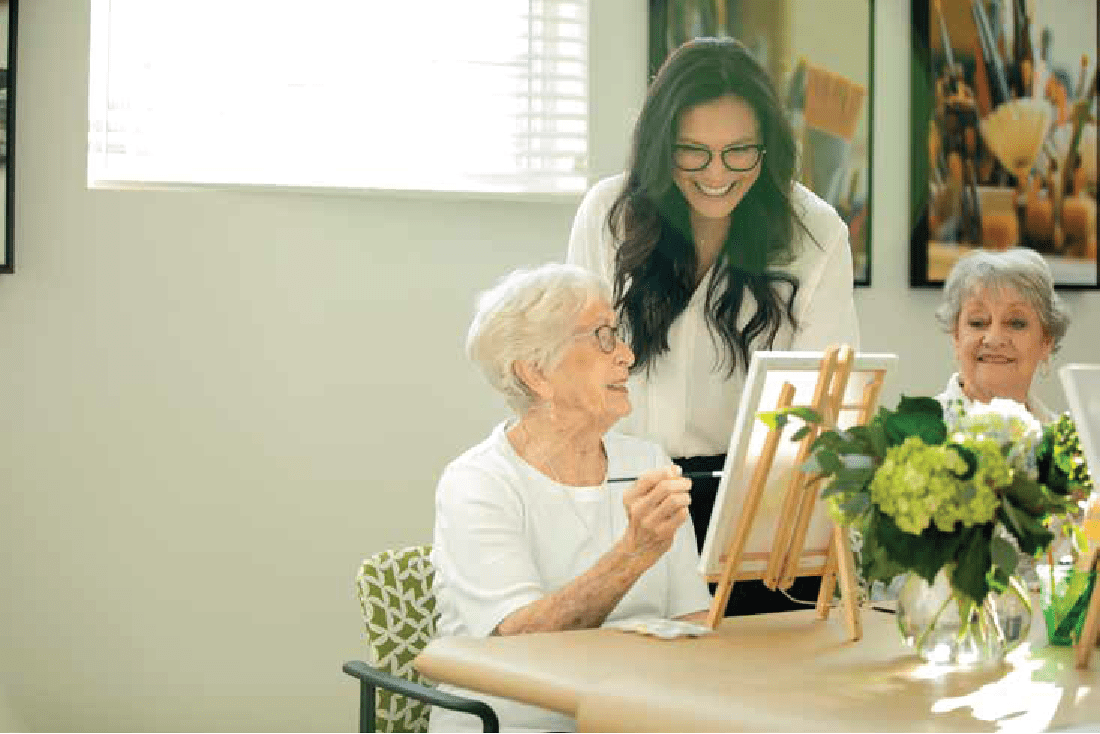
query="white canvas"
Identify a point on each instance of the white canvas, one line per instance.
(766, 374)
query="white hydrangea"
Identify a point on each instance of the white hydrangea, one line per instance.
(1006, 422)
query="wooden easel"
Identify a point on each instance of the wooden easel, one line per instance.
(787, 558)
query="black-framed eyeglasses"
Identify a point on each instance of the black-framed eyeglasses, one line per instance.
(607, 336)
(740, 157)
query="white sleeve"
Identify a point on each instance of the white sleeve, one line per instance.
(481, 553)
(590, 239)
(827, 314)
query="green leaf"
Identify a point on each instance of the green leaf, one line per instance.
(867, 439)
(829, 461)
(928, 406)
(774, 419)
(1030, 534)
(801, 433)
(1073, 617)
(920, 417)
(807, 414)
(997, 579)
(1035, 499)
(1026, 494)
(927, 428)
(852, 480)
(877, 564)
(973, 563)
(877, 436)
(1008, 514)
(778, 419)
(924, 554)
(855, 505)
(833, 487)
(967, 456)
(832, 441)
(1003, 554)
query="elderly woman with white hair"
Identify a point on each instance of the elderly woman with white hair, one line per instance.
(530, 534)
(1006, 321)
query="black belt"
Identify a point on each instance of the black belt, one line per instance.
(702, 463)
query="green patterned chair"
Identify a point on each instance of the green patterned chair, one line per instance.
(398, 603)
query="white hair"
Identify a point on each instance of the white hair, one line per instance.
(1021, 269)
(530, 314)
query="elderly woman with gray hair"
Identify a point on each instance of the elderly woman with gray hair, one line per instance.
(1006, 321)
(530, 534)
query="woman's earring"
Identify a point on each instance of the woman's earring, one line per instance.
(1044, 368)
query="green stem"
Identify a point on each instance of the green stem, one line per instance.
(1023, 596)
(989, 607)
(966, 606)
(932, 625)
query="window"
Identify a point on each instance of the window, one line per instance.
(476, 96)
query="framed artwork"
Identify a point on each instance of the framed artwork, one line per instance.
(819, 57)
(767, 373)
(7, 130)
(1003, 139)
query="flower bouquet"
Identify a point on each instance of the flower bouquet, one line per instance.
(951, 497)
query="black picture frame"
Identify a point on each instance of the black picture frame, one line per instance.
(932, 250)
(7, 135)
(672, 22)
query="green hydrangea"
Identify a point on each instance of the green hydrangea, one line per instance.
(918, 485)
(975, 501)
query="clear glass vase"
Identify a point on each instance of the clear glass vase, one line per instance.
(946, 628)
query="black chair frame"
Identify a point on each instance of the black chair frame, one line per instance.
(371, 678)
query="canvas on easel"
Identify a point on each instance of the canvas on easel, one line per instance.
(767, 522)
(1081, 383)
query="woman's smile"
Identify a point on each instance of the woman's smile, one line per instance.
(995, 359)
(715, 191)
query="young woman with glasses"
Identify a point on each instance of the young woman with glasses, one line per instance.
(714, 251)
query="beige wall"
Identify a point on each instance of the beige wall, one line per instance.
(215, 403)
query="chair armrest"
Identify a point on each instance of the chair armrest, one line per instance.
(372, 677)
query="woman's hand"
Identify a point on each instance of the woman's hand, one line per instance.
(656, 507)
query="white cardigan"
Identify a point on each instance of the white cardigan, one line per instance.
(686, 403)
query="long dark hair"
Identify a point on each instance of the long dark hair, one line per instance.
(655, 266)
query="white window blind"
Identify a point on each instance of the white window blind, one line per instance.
(438, 95)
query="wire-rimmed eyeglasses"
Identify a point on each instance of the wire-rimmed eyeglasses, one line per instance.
(607, 336)
(739, 157)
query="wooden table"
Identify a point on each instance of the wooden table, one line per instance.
(781, 672)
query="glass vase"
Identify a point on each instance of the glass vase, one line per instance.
(945, 627)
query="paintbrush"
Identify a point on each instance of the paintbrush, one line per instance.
(689, 475)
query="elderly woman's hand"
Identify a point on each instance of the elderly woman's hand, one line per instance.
(656, 507)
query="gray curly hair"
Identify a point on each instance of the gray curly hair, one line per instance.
(530, 314)
(1021, 269)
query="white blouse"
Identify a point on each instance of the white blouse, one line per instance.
(686, 403)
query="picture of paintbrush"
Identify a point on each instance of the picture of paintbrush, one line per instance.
(831, 113)
(833, 103)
